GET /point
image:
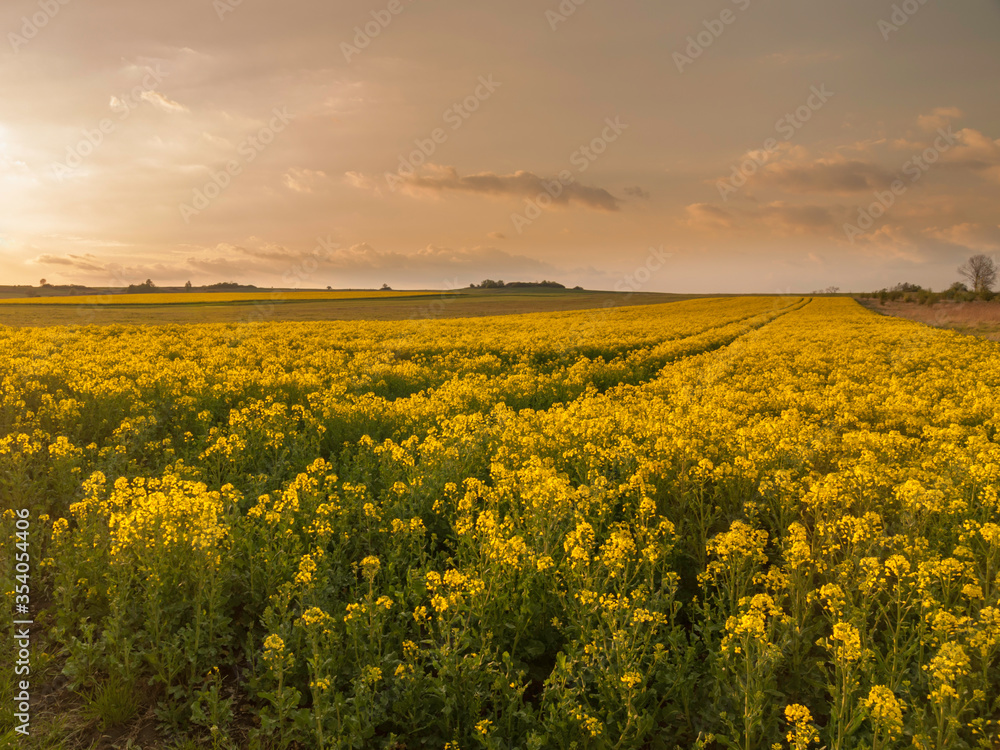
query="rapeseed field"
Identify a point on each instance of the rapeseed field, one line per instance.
(721, 523)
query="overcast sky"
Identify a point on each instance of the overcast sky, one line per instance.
(430, 144)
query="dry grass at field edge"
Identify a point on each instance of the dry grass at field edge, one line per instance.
(978, 318)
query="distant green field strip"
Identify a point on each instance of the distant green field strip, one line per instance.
(209, 298)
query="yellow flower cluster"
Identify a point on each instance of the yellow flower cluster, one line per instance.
(848, 642)
(741, 541)
(274, 649)
(885, 710)
(803, 732)
(314, 616)
(947, 668)
(164, 514)
(753, 623)
(450, 591)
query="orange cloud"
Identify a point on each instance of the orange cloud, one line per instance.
(938, 118)
(777, 217)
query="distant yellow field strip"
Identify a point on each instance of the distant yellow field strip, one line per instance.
(203, 297)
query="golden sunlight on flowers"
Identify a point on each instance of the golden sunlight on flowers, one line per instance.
(885, 710)
(734, 522)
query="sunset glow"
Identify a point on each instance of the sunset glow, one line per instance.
(779, 147)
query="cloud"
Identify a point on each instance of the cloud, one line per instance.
(227, 269)
(484, 260)
(268, 256)
(971, 235)
(358, 180)
(707, 216)
(361, 182)
(876, 163)
(283, 266)
(264, 252)
(497, 236)
(904, 235)
(938, 219)
(87, 262)
(162, 103)
(775, 218)
(520, 184)
(13, 166)
(302, 180)
(834, 174)
(900, 241)
(938, 118)
(636, 192)
(255, 260)
(802, 219)
(975, 151)
(217, 141)
(363, 263)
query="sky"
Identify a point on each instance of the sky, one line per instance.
(713, 146)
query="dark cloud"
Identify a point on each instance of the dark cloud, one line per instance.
(804, 217)
(520, 184)
(80, 262)
(835, 175)
(778, 217)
